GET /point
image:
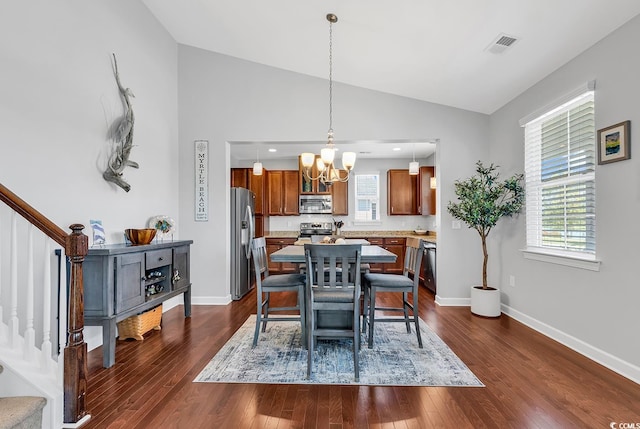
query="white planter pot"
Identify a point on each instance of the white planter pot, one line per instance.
(485, 302)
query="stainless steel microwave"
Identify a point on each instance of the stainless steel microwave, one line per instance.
(315, 204)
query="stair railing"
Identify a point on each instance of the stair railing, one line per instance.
(75, 245)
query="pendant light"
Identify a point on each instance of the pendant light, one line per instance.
(324, 164)
(257, 166)
(414, 166)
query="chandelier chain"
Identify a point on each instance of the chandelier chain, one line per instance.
(324, 165)
(330, 77)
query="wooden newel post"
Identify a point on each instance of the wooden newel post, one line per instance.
(75, 352)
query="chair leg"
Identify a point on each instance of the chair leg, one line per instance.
(310, 340)
(415, 318)
(266, 311)
(258, 317)
(405, 304)
(365, 309)
(372, 313)
(301, 309)
(356, 342)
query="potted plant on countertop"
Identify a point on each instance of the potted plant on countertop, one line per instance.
(483, 200)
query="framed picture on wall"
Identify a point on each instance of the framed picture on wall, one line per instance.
(614, 143)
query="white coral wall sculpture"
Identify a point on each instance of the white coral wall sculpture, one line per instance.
(122, 138)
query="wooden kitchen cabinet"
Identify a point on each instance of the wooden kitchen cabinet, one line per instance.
(340, 198)
(239, 178)
(426, 195)
(274, 244)
(244, 178)
(402, 193)
(123, 280)
(282, 193)
(261, 225)
(395, 245)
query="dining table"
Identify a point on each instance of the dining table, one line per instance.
(369, 254)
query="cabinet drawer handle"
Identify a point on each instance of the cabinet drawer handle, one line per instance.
(160, 258)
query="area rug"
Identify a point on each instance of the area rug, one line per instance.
(395, 359)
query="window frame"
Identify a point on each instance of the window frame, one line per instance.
(357, 198)
(535, 247)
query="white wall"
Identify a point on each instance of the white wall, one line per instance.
(223, 99)
(58, 98)
(595, 312)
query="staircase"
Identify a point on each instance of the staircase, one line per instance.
(21, 412)
(43, 383)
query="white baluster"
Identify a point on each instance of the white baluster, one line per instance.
(46, 316)
(29, 332)
(13, 294)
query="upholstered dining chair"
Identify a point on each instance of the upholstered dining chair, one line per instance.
(267, 284)
(333, 290)
(401, 283)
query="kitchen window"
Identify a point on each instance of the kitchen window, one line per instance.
(560, 149)
(367, 197)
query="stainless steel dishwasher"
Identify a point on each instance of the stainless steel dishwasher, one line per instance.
(429, 266)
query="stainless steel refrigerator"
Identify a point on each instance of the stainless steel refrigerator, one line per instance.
(242, 234)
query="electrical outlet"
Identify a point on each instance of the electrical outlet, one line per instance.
(512, 281)
(455, 224)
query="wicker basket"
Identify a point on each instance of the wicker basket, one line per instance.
(136, 326)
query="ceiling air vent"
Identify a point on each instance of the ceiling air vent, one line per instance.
(501, 43)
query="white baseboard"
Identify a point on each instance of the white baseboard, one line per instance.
(211, 300)
(453, 302)
(626, 369)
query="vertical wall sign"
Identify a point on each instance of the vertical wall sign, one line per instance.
(202, 180)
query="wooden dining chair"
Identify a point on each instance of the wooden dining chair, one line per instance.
(331, 289)
(401, 283)
(267, 284)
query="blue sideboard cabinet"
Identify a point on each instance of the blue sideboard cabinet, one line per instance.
(122, 280)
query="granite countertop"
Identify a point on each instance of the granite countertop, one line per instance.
(430, 237)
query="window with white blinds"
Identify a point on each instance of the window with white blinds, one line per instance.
(560, 179)
(367, 197)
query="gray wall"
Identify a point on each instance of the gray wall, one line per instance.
(224, 99)
(594, 312)
(58, 97)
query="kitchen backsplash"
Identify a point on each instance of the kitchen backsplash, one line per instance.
(389, 223)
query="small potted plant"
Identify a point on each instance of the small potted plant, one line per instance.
(483, 200)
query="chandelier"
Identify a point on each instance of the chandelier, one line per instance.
(326, 172)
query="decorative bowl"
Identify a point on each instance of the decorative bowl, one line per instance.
(420, 231)
(140, 236)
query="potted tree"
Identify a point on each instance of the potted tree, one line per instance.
(483, 200)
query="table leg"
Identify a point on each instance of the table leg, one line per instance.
(187, 302)
(109, 342)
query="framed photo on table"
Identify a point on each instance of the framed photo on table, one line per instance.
(614, 143)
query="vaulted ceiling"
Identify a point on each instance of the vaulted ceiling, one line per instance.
(433, 50)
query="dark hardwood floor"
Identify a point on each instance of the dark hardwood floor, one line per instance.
(531, 382)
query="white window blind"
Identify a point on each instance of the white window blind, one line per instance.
(560, 179)
(367, 197)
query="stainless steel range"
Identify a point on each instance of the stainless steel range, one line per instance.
(307, 229)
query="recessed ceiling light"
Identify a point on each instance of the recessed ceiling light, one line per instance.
(396, 149)
(272, 149)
